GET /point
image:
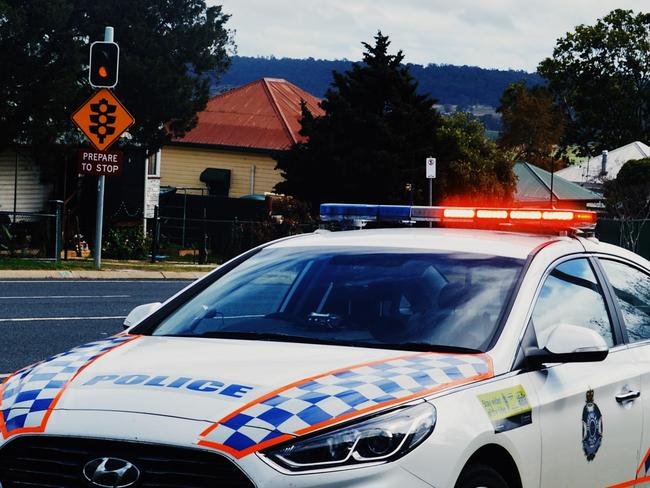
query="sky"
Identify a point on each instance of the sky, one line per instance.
(506, 34)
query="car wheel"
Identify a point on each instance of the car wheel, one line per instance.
(480, 476)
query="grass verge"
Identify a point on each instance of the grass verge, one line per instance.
(107, 264)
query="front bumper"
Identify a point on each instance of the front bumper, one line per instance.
(145, 437)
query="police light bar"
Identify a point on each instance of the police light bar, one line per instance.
(465, 216)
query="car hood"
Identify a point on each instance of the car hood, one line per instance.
(216, 379)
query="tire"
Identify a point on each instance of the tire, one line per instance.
(480, 476)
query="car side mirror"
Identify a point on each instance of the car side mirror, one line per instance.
(569, 344)
(139, 313)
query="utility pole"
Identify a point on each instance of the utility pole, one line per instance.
(101, 181)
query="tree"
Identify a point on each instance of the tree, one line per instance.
(472, 168)
(600, 75)
(41, 60)
(533, 126)
(628, 199)
(167, 50)
(375, 134)
(371, 144)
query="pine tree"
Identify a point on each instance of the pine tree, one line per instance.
(377, 131)
(373, 139)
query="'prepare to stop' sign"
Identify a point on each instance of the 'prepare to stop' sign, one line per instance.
(104, 163)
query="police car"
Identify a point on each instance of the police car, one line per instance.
(502, 349)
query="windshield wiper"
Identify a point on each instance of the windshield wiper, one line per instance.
(260, 336)
(278, 337)
(426, 347)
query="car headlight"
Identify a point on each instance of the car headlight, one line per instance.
(382, 438)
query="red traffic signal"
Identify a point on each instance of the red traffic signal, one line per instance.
(104, 64)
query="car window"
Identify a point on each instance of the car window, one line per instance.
(571, 295)
(361, 296)
(632, 289)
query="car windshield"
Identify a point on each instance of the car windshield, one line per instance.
(395, 298)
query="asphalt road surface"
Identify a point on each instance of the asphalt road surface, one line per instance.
(42, 318)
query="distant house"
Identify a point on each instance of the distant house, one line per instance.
(594, 171)
(534, 189)
(233, 149)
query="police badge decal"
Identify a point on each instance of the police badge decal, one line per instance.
(592, 427)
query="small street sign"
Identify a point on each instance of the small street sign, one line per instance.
(431, 167)
(100, 163)
(103, 119)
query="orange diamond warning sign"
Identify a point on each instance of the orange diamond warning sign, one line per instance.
(103, 119)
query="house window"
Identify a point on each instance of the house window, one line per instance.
(153, 164)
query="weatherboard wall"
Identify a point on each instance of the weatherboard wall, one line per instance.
(182, 167)
(32, 194)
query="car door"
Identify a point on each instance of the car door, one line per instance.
(630, 284)
(589, 439)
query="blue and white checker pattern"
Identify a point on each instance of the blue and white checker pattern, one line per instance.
(307, 405)
(29, 393)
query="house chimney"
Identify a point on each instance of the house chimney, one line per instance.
(603, 164)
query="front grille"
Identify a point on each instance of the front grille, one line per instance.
(58, 462)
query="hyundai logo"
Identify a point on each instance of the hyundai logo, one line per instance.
(111, 473)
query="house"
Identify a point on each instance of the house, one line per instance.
(592, 172)
(21, 184)
(233, 149)
(538, 188)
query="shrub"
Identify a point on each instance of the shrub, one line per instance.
(126, 243)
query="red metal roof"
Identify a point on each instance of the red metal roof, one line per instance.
(264, 114)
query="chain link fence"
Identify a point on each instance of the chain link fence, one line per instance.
(32, 234)
(205, 228)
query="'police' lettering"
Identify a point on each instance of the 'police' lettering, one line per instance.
(156, 381)
(105, 377)
(201, 386)
(236, 391)
(178, 383)
(204, 385)
(132, 379)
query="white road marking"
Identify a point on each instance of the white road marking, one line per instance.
(49, 319)
(60, 297)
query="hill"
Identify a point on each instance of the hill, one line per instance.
(462, 86)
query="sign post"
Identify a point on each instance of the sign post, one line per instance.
(103, 119)
(431, 174)
(101, 181)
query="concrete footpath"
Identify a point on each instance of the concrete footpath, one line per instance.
(109, 274)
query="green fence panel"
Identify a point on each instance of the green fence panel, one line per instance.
(609, 230)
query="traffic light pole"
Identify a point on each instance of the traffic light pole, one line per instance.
(101, 181)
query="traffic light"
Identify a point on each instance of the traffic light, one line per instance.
(104, 64)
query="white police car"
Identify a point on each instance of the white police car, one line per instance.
(404, 357)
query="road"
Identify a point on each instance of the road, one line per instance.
(42, 318)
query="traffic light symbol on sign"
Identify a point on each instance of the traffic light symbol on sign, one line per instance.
(101, 120)
(104, 64)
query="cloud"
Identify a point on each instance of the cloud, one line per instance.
(490, 33)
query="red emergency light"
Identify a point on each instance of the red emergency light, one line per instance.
(553, 218)
(476, 217)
